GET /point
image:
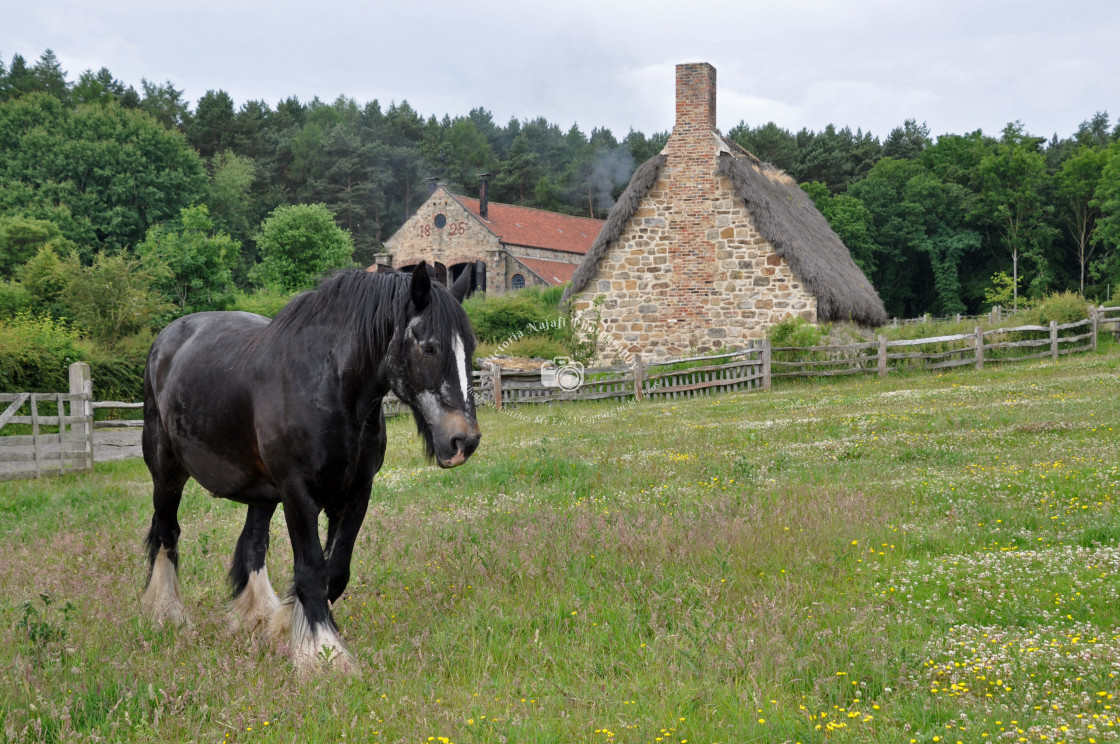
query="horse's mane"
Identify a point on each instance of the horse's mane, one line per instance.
(369, 304)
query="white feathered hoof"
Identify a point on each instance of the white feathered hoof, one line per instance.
(254, 607)
(162, 601)
(310, 650)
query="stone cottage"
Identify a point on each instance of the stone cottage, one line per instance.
(509, 247)
(708, 247)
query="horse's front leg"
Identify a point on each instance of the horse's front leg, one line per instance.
(254, 602)
(304, 620)
(342, 530)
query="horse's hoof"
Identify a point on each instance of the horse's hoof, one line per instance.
(255, 606)
(165, 613)
(162, 602)
(312, 650)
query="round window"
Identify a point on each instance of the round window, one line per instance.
(440, 221)
(517, 281)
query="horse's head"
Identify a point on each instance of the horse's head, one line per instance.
(430, 367)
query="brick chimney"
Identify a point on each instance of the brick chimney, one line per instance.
(484, 195)
(696, 98)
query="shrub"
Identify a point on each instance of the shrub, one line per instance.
(266, 302)
(13, 299)
(117, 373)
(549, 296)
(44, 278)
(497, 319)
(35, 351)
(795, 331)
(531, 347)
(115, 297)
(1064, 307)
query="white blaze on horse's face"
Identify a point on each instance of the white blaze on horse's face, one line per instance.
(461, 365)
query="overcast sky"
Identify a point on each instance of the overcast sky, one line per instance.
(958, 65)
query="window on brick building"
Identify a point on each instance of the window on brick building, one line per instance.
(517, 282)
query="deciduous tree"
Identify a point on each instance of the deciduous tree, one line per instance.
(199, 260)
(1077, 184)
(1011, 179)
(299, 243)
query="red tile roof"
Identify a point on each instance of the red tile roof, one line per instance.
(536, 228)
(553, 272)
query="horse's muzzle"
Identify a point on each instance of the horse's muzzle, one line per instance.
(461, 444)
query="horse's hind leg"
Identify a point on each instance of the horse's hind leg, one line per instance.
(162, 600)
(254, 601)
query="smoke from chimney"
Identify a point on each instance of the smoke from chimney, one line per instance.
(612, 169)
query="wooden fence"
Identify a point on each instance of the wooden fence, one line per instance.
(757, 367)
(58, 433)
(1000, 345)
(61, 430)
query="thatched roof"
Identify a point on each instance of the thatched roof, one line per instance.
(785, 216)
(788, 219)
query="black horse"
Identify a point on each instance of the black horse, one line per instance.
(288, 412)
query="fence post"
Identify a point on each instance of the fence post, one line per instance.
(1054, 340)
(496, 377)
(979, 348)
(765, 347)
(639, 374)
(1093, 319)
(882, 355)
(82, 384)
(995, 317)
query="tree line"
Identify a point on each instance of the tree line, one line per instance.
(189, 208)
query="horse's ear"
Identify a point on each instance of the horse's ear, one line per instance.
(421, 289)
(462, 285)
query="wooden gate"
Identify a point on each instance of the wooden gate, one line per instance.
(53, 432)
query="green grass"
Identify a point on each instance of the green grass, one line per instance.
(867, 561)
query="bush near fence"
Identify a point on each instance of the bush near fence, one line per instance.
(35, 352)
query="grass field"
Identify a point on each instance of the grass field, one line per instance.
(921, 559)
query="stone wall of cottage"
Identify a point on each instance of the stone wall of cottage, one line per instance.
(664, 300)
(462, 238)
(521, 251)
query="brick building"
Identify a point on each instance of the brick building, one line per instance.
(510, 247)
(708, 247)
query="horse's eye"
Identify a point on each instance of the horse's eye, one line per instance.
(429, 348)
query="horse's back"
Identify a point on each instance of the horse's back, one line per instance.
(198, 397)
(201, 353)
